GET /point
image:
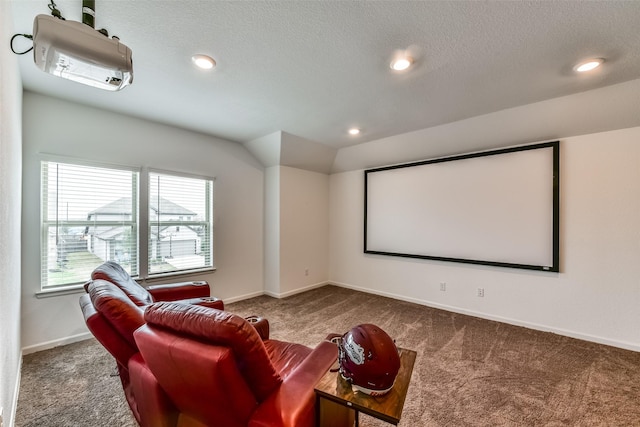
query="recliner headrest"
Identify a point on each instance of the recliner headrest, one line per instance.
(114, 273)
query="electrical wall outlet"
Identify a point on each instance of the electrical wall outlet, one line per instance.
(443, 286)
(481, 292)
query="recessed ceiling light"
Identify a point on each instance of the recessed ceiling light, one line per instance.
(401, 63)
(203, 61)
(588, 65)
(354, 131)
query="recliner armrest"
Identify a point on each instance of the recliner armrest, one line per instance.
(179, 291)
(210, 302)
(260, 324)
(293, 403)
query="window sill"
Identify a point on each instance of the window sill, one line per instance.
(79, 288)
(63, 290)
(175, 275)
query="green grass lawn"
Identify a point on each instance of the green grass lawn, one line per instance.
(79, 265)
(77, 269)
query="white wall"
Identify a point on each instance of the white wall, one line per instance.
(296, 230)
(272, 230)
(596, 295)
(66, 129)
(10, 195)
(304, 229)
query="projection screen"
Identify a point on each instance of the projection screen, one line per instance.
(498, 208)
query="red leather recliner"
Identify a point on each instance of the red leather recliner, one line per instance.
(189, 292)
(112, 317)
(217, 371)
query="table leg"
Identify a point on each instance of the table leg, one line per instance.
(331, 414)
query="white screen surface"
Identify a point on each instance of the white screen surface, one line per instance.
(487, 208)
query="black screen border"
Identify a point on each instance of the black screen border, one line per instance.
(555, 267)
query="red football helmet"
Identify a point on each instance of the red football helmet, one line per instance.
(369, 359)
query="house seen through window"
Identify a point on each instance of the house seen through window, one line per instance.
(180, 211)
(94, 214)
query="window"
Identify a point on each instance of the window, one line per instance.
(89, 215)
(95, 214)
(180, 223)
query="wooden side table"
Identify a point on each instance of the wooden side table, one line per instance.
(338, 405)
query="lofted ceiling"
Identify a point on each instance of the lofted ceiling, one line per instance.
(316, 68)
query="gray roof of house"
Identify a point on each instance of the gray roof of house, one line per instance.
(123, 206)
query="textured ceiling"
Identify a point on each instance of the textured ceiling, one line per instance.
(315, 68)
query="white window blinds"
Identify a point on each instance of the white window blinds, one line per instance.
(89, 215)
(180, 223)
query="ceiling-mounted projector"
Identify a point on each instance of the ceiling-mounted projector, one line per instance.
(77, 52)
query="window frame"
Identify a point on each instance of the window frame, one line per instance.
(139, 222)
(145, 228)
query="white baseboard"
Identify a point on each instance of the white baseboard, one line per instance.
(243, 297)
(296, 291)
(56, 343)
(538, 327)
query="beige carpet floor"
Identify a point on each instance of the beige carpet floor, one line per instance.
(468, 372)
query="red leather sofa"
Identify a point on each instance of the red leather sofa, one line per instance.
(112, 317)
(278, 392)
(113, 309)
(216, 370)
